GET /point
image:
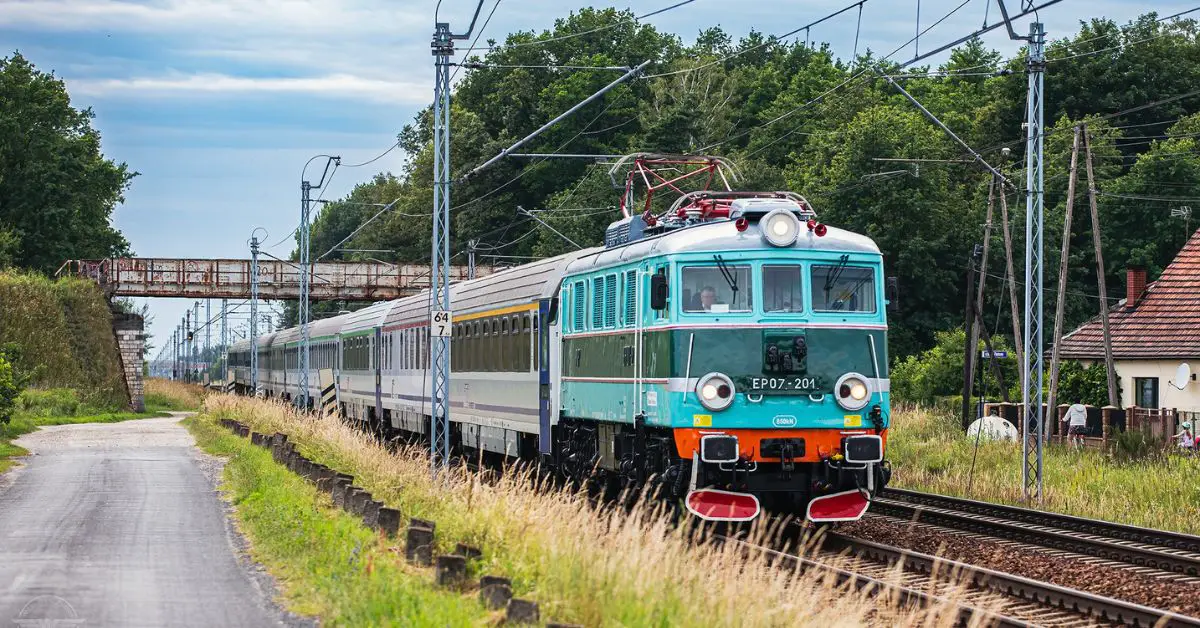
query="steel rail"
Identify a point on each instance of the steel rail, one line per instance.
(1091, 605)
(1149, 536)
(1037, 529)
(906, 596)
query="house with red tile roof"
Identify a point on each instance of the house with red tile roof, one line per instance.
(1154, 329)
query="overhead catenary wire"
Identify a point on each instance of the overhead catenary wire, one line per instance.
(770, 40)
(542, 42)
(845, 82)
(477, 36)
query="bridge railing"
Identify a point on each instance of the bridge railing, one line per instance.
(277, 279)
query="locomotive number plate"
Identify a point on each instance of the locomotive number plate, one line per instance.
(782, 384)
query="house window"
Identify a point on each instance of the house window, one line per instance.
(1145, 391)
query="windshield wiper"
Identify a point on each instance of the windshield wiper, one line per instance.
(834, 275)
(730, 278)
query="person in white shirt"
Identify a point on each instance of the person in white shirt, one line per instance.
(1076, 419)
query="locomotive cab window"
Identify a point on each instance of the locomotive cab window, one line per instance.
(782, 289)
(717, 289)
(842, 288)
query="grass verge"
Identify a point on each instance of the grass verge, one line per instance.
(929, 452)
(593, 567)
(328, 563)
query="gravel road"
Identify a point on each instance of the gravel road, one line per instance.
(120, 524)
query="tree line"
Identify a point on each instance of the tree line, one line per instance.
(795, 116)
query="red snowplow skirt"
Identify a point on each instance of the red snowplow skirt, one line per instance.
(711, 504)
(844, 506)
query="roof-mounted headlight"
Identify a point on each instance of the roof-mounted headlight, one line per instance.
(780, 227)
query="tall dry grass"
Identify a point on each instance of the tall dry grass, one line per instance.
(169, 394)
(930, 452)
(598, 567)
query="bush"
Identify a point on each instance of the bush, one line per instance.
(8, 389)
(64, 329)
(938, 372)
(1138, 446)
(1086, 385)
(49, 402)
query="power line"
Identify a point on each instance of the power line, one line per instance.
(857, 75)
(375, 158)
(477, 35)
(530, 167)
(598, 29)
(771, 40)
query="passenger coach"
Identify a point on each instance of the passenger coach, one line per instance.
(732, 352)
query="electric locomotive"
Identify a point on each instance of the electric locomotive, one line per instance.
(730, 350)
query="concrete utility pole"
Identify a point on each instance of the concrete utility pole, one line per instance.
(306, 189)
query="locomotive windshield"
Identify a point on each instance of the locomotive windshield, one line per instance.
(782, 287)
(719, 288)
(842, 288)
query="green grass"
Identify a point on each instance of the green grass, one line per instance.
(929, 452)
(582, 564)
(327, 562)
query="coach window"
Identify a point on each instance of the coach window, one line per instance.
(528, 346)
(495, 362)
(506, 352)
(841, 288)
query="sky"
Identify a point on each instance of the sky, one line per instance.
(218, 104)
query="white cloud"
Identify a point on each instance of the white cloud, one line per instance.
(344, 86)
(298, 17)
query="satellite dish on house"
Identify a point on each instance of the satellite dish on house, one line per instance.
(1182, 375)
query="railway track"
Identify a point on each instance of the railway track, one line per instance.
(980, 596)
(1158, 553)
(995, 597)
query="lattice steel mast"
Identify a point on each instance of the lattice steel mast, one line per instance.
(306, 189)
(1033, 438)
(439, 368)
(254, 315)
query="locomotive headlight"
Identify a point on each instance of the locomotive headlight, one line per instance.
(852, 391)
(780, 227)
(715, 391)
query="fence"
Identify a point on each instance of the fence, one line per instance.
(1104, 423)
